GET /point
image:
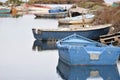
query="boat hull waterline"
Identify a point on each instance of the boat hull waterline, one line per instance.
(92, 33)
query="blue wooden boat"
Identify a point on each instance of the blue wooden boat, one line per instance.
(78, 50)
(101, 72)
(4, 10)
(55, 12)
(92, 32)
(44, 45)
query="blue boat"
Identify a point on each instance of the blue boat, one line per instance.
(78, 50)
(44, 45)
(56, 12)
(4, 10)
(100, 72)
(92, 32)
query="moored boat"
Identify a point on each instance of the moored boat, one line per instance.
(4, 10)
(52, 15)
(55, 12)
(101, 72)
(87, 18)
(92, 32)
(78, 50)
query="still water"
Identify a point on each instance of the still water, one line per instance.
(23, 58)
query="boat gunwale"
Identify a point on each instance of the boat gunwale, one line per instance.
(75, 29)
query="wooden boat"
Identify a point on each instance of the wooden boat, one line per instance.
(52, 15)
(92, 32)
(4, 10)
(55, 12)
(87, 18)
(78, 50)
(44, 45)
(101, 72)
(38, 7)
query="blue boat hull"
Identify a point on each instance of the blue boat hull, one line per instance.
(57, 35)
(2, 11)
(73, 55)
(105, 72)
(78, 50)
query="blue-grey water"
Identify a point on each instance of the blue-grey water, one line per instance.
(21, 59)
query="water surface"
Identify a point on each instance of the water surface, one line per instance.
(19, 60)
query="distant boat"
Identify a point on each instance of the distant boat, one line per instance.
(38, 7)
(4, 10)
(44, 45)
(92, 32)
(87, 18)
(52, 15)
(101, 72)
(78, 50)
(55, 12)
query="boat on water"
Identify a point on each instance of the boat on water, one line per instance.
(4, 10)
(52, 15)
(44, 45)
(78, 50)
(38, 7)
(55, 12)
(92, 32)
(81, 19)
(101, 72)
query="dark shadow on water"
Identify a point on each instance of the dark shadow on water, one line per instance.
(99, 72)
(44, 45)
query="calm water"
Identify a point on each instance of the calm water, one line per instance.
(21, 57)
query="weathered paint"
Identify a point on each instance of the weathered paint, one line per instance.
(91, 32)
(77, 50)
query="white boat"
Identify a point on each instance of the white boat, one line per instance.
(87, 18)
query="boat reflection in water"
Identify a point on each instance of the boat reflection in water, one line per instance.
(44, 45)
(104, 72)
(5, 15)
(9, 15)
